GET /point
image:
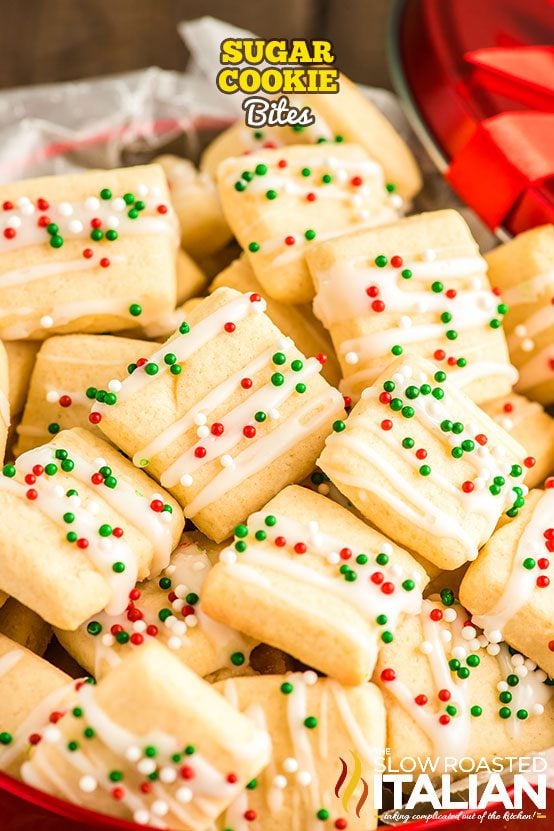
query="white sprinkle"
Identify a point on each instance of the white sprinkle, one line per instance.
(186, 480)
(274, 414)
(227, 460)
(502, 686)
(494, 636)
(537, 709)
(290, 765)
(475, 645)
(200, 418)
(203, 431)
(114, 385)
(46, 321)
(304, 778)
(92, 203)
(108, 639)
(351, 358)
(51, 734)
(174, 642)
(522, 671)
(386, 548)
(14, 222)
(27, 209)
(146, 766)
(310, 677)
(527, 345)
(160, 807)
(88, 784)
(199, 566)
(139, 626)
(429, 255)
(540, 676)
(168, 775)
(449, 615)
(93, 507)
(469, 633)
(405, 321)
(459, 652)
(493, 649)
(280, 781)
(426, 647)
(65, 208)
(396, 201)
(52, 396)
(517, 659)
(118, 204)
(179, 627)
(184, 794)
(141, 817)
(520, 331)
(531, 665)
(142, 189)
(181, 590)
(112, 222)
(446, 635)
(178, 604)
(191, 620)
(228, 556)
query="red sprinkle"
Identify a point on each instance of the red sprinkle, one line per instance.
(321, 358)
(134, 594)
(7, 206)
(249, 431)
(136, 638)
(250, 815)
(385, 398)
(142, 361)
(341, 824)
(445, 695)
(30, 479)
(229, 327)
(280, 542)
(451, 361)
(345, 553)
(289, 240)
(232, 778)
(444, 719)
(378, 306)
(451, 294)
(421, 453)
(421, 700)
(347, 401)
(396, 261)
(386, 424)
(82, 542)
(387, 588)
(217, 429)
(543, 581)
(55, 716)
(551, 646)
(543, 563)
(162, 209)
(372, 291)
(508, 407)
(300, 547)
(96, 478)
(157, 505)
(388, 675)
(118, 793)
(435, 614)
(530, 461)
(187, 772)
(145, 787)
(439, 354)
(9, 233)
(468, 487)
(43, 221)
(38, 470)
(95, 418)
(246, 383)
(481, 439)
(42, 204)
(377, 577)
(118, 532)
(116, 629)
(356, 181)
(152, 630)
(311, 197)
(104, 262)
(255, 297)
(65, 401)
(282, 163)
(34, 738)
(200, 452)
(31, 494)
(95, 222)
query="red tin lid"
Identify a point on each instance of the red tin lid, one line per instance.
(477, 79)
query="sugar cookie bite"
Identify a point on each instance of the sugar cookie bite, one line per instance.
(78, 252)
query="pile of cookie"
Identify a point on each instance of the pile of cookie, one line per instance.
(276, 477)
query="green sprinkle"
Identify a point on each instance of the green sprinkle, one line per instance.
(447, 597)
(437, 287)
(408, 412)
(505, 697)
(473, 660)
(381, 261)
(446, 425)
(406, 273)
(339, 426)
(451, 710)
(51, 469)
(286, 688)
(192, 598)
(468, 445)
(135, 310)
(175, 369)
(260, 416)
(424, 470)
(151, 369)
(241, 531)
(454, 664)
(72, 746)
(522, 714)
(94, 627)
(529, 563)
(463, 673)
(56, 241)
(69, 518)
(457, 427)
(457, 452)
(446, 317)
(412, 392)
(310, 234)
(5, 737)
(252, 784)
(300, 388)
(77, 712)
(253, 246)
(396, 349)
(270, 521)
(260, 169)
(381, 620)
(387, 637)
(115, 776)
(110, 482)
(326, 179)
(408, 585)
(118, 567)
(122, 637)
(305, 171)
(362, 559)
(310, 722)
(71, 536)
(164, 583)
(184, 328)
(408, 443)
(323, 814)
(279, 358)
(128, 198)
(504, 712)
(396, 404)
(476, 711)
(9, 471)
(96, 234)
(105, 530)
(111, 235)
(277, 379)
(382, 559)
(512, 680)
(88, 733)
(241, 546)
(494, 323)
(237, 659)
(105, 193)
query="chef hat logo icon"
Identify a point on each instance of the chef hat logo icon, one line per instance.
(348, 781)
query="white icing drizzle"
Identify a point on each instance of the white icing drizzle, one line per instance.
(186, 345)
(265, 398)
(365, 595)
(308, 418)
(520, 584)
(528, 291)
(53, 503)
(489, 461)
(9, 660)
(537, 370)
(34, 722)
(208, 788)
(31, 273)
(188, 569)
(74, 218)
(447, 739)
